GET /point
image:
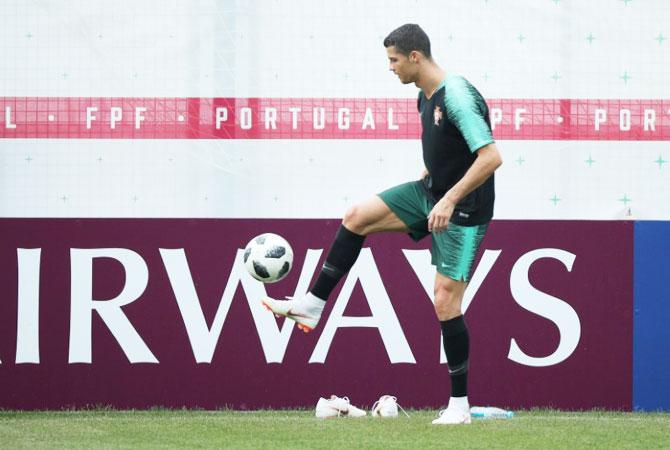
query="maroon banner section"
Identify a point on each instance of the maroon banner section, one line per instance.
(136, 313)
(319, 118)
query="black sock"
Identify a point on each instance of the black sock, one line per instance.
(456, 341)
(341, 256)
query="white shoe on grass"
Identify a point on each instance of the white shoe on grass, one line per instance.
(453, 416)
(386, 406)
(337, 407)
(457, 413)
(305, 311)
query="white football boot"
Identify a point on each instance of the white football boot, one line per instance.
(305, 311)
(386, 406)
(337, 407)
(457, 413)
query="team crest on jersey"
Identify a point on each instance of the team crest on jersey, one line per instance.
(437, 115)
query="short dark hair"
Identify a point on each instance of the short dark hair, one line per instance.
(407, 38)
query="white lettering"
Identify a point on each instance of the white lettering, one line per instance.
(138, 116)
(544, 305)
(481, 271)
(624, 120)
(8, 118)
(517, 118)
(496, 117)
(601, 117)
(89, 116)
(368, 119)
(275, 118)
(319, 118)
(270, 118)
(245, 118)
(221, 116)
(294, 117)
(392, 126)
(203, 339)
(28, 316)
(115, 116)
(383, 316)
(343, 118)
(83, 305)
(649, 120)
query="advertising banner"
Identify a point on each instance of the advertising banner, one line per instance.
(136, 313)
(320, 118)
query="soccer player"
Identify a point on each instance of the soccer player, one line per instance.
(453, 202)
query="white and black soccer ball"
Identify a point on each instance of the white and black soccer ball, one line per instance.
(268, 257)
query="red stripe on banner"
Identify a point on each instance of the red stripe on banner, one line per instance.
(319, 118)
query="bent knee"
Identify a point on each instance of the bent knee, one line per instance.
(355, 220)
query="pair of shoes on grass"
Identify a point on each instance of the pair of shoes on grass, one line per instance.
(386, 406)
(306, 312)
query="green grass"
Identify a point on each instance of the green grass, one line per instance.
(537, 429)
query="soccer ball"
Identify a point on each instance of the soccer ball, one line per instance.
(268, 257)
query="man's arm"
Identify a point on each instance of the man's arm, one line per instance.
(488, 160)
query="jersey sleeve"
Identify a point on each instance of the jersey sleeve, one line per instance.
(464, 109)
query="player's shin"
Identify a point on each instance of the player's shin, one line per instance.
(341, 257)
(306, 311)
(456, 341)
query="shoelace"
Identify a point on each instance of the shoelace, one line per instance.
(345, 398)
(309, 310)
(377, 403)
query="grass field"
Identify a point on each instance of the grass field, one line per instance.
(299, 429)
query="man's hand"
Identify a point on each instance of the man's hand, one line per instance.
(438, 219)
(487, 161)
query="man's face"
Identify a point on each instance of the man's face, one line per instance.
(401, 65)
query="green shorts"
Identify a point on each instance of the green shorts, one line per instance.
(453, 250)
